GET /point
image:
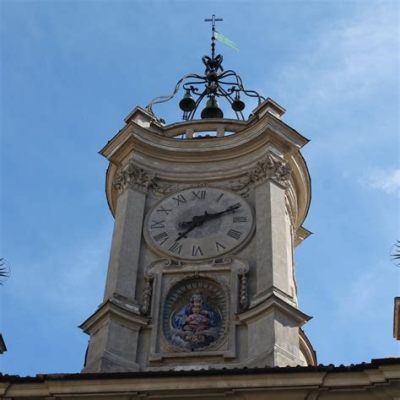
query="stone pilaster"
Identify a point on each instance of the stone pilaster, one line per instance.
(132, 184)
(273, 321)
(114, 328)
(125, 248)
(273, 239)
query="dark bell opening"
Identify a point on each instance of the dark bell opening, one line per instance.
(212, 109)
(187, 103)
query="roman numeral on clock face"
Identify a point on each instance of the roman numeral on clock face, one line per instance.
(219, 246)
(219, 197)
(157, 224)
(233, 233)
(199, 194)
(161, 238)
(175, 248)
(239, 219)
(164, 210)
(180, 199)
(196, 251)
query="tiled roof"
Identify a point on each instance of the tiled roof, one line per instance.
(375, 363)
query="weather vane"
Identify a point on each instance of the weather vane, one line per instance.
(215, 83)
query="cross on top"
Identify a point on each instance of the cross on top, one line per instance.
(213, 20)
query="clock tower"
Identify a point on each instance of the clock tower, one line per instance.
(207, 215)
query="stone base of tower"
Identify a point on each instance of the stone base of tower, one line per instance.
(274, 334)
(267, 334)
(114, 335)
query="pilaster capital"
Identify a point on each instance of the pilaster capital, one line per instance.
(134, 177)
(268, 168)
(271, 168)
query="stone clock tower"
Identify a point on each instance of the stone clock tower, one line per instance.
(207, 215)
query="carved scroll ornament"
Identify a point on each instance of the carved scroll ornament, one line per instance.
(147, 294)
(138, 178)
(132, 176)
(268, 168)
(243, 292)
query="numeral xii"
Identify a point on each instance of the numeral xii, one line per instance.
(199, 194)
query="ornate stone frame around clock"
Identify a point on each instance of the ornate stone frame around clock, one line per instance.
(164, 274)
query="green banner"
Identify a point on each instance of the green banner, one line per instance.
(223, 39)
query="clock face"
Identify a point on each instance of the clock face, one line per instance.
(199, 223)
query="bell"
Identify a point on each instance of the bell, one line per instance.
(187, 103)
(237, 104)
(212, 109)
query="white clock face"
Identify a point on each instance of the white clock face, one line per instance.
(199, 223)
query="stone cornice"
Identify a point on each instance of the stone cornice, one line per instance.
(118, 308)
(245, 139)
(363, 381)
(274, 302)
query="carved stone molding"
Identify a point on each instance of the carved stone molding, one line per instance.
(134, 177)
(243, 292)
(138, 178)
(147, 294)
(269, 168)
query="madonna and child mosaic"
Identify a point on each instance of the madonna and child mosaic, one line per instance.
(195, 315)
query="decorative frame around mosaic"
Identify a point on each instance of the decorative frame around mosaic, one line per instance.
(169, 280)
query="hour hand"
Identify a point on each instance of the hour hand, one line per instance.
(195, 222)
(196, 219)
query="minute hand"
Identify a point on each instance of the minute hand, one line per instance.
(216, 215)
(208, 216)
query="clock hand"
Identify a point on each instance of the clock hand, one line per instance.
(208, 216)
(199, 220)
(218, 214)
(195, 222)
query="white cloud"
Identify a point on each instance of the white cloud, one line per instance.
(387, 181)
(349, 58)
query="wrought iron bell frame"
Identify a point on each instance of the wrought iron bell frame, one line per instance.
(217, 83)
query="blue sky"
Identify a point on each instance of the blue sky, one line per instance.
(72, 70)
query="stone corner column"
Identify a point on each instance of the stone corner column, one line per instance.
(114, 327)
(274, 263)
(132, 185)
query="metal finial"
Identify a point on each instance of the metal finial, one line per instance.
(214, 84)
(213, 20)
